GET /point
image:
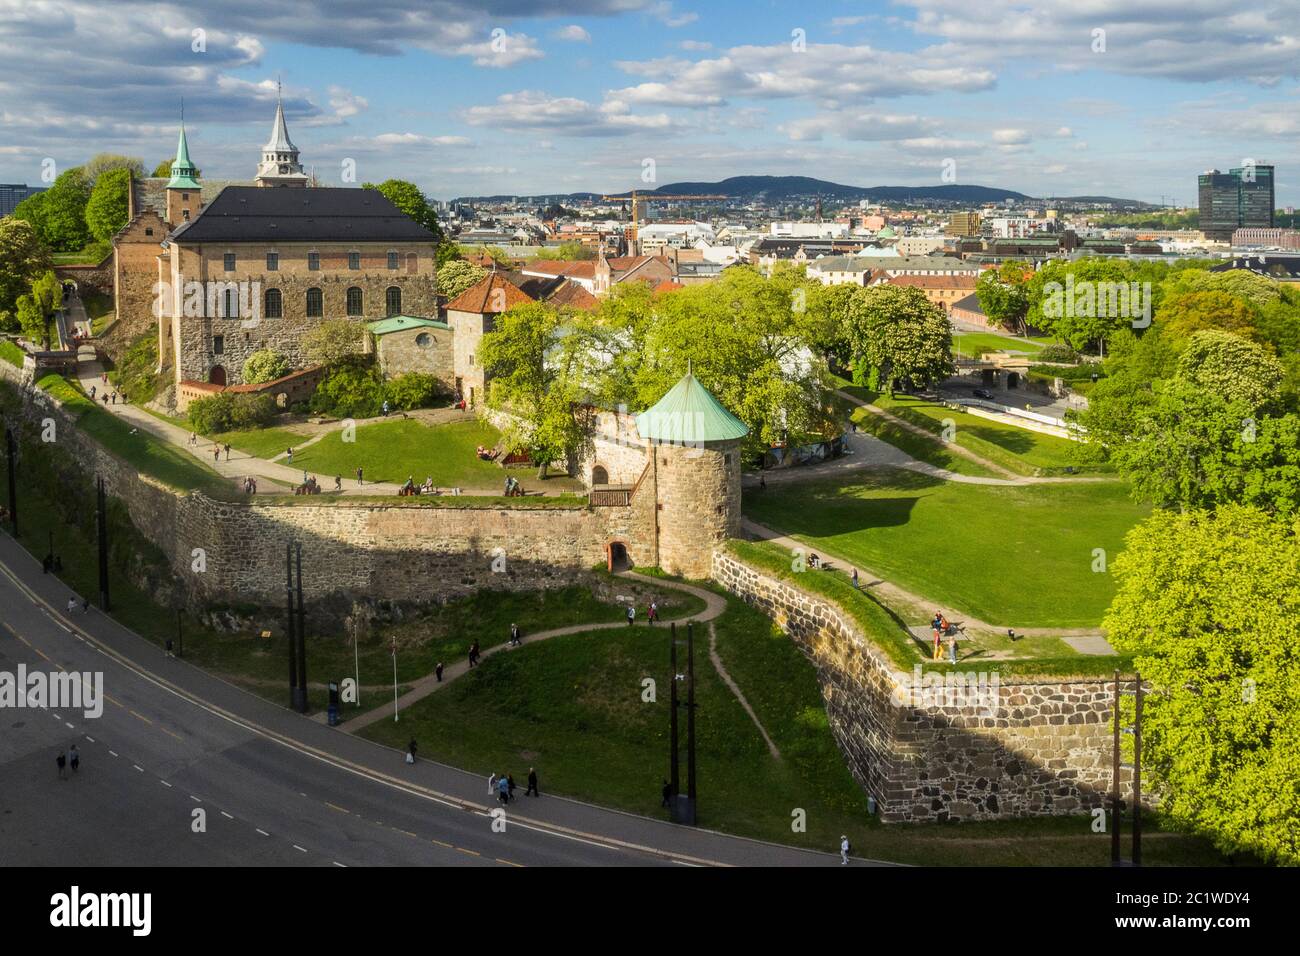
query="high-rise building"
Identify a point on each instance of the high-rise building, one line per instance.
(963, 224)
(1240, 198)
(11, 194)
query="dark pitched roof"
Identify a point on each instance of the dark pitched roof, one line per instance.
(308, 214)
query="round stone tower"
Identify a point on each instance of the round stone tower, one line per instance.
(693, 444)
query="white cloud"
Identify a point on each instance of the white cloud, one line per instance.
(697, 46)
(417, 139)
(573, 33)
(860, 126)
(1011, 137)
(660, 94)
(537, 111)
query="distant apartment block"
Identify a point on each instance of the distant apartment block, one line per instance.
(1267, 239)
(11, 194)
(1241, 198)
(963, 224)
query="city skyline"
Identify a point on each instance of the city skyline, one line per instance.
(548, 97)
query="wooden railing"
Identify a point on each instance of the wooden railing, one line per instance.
(611, 497)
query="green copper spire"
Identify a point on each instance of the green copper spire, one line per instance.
(183, 171)
(687, 414)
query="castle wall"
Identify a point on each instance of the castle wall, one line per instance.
(698, 489)
(402, 352)
(467, 330)
(1042, 748)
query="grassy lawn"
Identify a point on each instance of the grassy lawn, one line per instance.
(99, 309)
(1018, 556)
(1019, 450)
(91, 254)
(392, 451)
(972, 344)
(11, 353)
(152, 456)
(599, 741)
(924, 449)
(260, 442)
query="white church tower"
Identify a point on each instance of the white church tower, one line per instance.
(279, 165)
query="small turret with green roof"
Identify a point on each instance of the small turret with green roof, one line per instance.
(689, 414)
(184, 173)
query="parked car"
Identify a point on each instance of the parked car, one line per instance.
(983, 393)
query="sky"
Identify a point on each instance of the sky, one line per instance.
(1127, 98)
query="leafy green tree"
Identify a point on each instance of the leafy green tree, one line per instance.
(1184, 313)
(332, 341)
(900, 333)
(1237, 283)
(354, 388)
(407, 197)
(32, 321)
(23, 257)
(1003, 295)
(537, 362)
(1206, 603)
(265, 365)
(415, 390)
(101, 163)
(230, 411)
(1232, 367)
(106, 210)
(1086, 301)
(457, 276)
(59, 213)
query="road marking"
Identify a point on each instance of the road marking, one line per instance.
(263, 832)
(141, 716)
(470, 852)
(407, 832)
(447, 845)
(298, 848)
(195, 799)
(113, 752)
(337, 863)
(138, 767)
(226, 815)
(164, 783)
(69, 726)
(90, 738)
(509, 863)
(170, 734)
(58, 716)
(333, 806)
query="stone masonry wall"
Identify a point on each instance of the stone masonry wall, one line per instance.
(1044, 747)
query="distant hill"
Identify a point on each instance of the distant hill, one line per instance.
(782, 188)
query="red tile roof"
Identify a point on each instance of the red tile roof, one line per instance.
(935, 282)
(578, 269)
(494, 293)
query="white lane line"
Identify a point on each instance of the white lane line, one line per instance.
(298, 848)
(263, 832)
(164, 783)
(113, 752)
(69, 726)
(337, 863)
(90, 738)
(226, 815)
(138, 767)
(195, 799)
(58, 716)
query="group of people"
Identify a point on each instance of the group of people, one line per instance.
(106, 396)
(503, 787)
(486, 454)
(942, 628)
(409, 487)
(652, 614)
(513, 488)
(72, 756)
(250, 485)
(310, 486)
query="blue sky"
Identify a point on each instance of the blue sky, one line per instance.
(1120, 97)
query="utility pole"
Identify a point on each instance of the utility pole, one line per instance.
(102, 501)
(1137, 771)
(1114, 785)
(690, 725)
(180, 637)
(302, 639)
(11, 456)
(289, 627)
(674, 777)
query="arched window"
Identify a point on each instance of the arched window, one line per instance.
(393, 301)
(274, 304)
(599, 476)
(232, 304)
(354, 300)
(315, 304)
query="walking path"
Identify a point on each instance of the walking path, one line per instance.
(714, 605)
(735, 689)
(1084, 640)
(240, 464)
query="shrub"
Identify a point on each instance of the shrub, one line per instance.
(1058, 352)
(415, 390)
(136, 375)
(353, 389)
(228, 411)
(265, 365)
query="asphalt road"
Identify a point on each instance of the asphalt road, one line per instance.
(176, 746)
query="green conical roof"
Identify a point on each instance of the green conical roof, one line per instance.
(183, 170)
(689, 414)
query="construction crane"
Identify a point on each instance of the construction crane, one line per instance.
(636, 199)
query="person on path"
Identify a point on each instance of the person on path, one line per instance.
(510, 790)
(938, 645)
(227, 451)
(952, 648)
(289, 453)
(438, 671)
(74, 758)
(92, 392)
(410, 751)
(85, 602)
(473, 654)
(652, 614)
(104, 398)
(72, 605)
(62, 761)
(844, 851)
(668, 794)
(216, 452)
(115, 398)
(631, 614)
(503, 790)
(385, 408)
(855, 578)
(532, 784)
(514, 635)
(492, 785)
(359, 481)
(338, 482)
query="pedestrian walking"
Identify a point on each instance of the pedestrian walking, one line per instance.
(72, 605)
(289, 454)
(952, 648)
(510, 788)
(473, 654)
(532, 784)
(216, 452)
(503, 790)
(855, 578)
(62, 761)
(85, 602)
(631, 614)
(652, 614)
(92, 392)
(668, 794)
(514, 635)
(167, 648)
(385, 408)
(227, 451)
(74, 758)
(359, 481)
(844, 851)
(438, 671)
(492, 785)
(338, 482)
(410, 751)
(762, 483)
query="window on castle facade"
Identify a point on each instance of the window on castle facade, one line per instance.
(273, 262)
(393, 301)
(228, 262)
(313, 262)
(218, 344)
(392, 260)
(354, 301)
(274, 304)
(354, 260)
(315, 304)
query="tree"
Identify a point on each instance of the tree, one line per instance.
(1232, 367)
(106, 210)
(900, 333)
(101, 163)
(1184, 313)
(32, 321)
(23, 257)
(536, 359)
(457, 276)
(408, 198)
(332, 341)
(1089, 300)
(265, 365)
(1206, 603)
(1003, 295)
(1237, 283)
(353, 389)
(59, 213)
